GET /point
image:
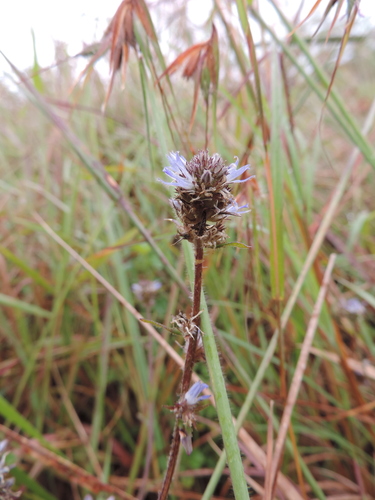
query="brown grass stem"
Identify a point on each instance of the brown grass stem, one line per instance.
(299, 372)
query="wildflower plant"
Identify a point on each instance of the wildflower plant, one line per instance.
(203, 202)
(203, 195)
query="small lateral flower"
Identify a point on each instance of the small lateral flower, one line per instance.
(188, 405)
(186, 408)
(192, 397)
(203, 199)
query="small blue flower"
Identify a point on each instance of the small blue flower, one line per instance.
(192, 396)
(231, 210)
(353, 306)
(234, 209)
(184, 177)
(177, 171)
(233, 172)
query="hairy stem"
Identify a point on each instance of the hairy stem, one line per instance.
(172, 460)
(188, 368)
(197, 292)
(217, 384)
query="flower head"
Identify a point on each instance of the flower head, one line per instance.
(353, 306)
(145, 291)
(203, 197)
(203, 174)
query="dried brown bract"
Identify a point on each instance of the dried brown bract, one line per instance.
(189, 329)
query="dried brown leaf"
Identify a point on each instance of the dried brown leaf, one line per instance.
(120, 36)
(193, 63)
(201, 63)
(330, 5)
(344, 41)
(193, 52)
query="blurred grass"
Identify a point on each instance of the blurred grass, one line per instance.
(76, 366)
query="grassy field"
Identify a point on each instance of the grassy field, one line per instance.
(84, 383)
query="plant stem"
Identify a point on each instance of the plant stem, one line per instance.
(197, 292)
(172, 460)
(217, 385)
(188, 367)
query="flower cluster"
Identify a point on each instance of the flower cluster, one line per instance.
(185, 410)
(189, 330)
(145, 291)
(203, 198)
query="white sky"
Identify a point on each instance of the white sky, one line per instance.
(78, 21)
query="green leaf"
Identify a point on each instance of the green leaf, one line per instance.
(6, 300)
(159, 325)
(34, 275)
(277, 173)
(235, 244)
(24, 479)
(13, 416)
(38, 82)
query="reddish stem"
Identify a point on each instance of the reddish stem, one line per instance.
(188, 367)
(190, 354)
(172, 460)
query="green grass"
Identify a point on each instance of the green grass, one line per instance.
(82, 377)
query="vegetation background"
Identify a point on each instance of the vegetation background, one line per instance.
(84, 384)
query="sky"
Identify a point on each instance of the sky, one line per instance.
(83, 21)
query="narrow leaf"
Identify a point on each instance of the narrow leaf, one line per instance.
(6, 300)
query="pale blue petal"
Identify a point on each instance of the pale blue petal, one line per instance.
(192, 396)
(178, 162)
(233, 173)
